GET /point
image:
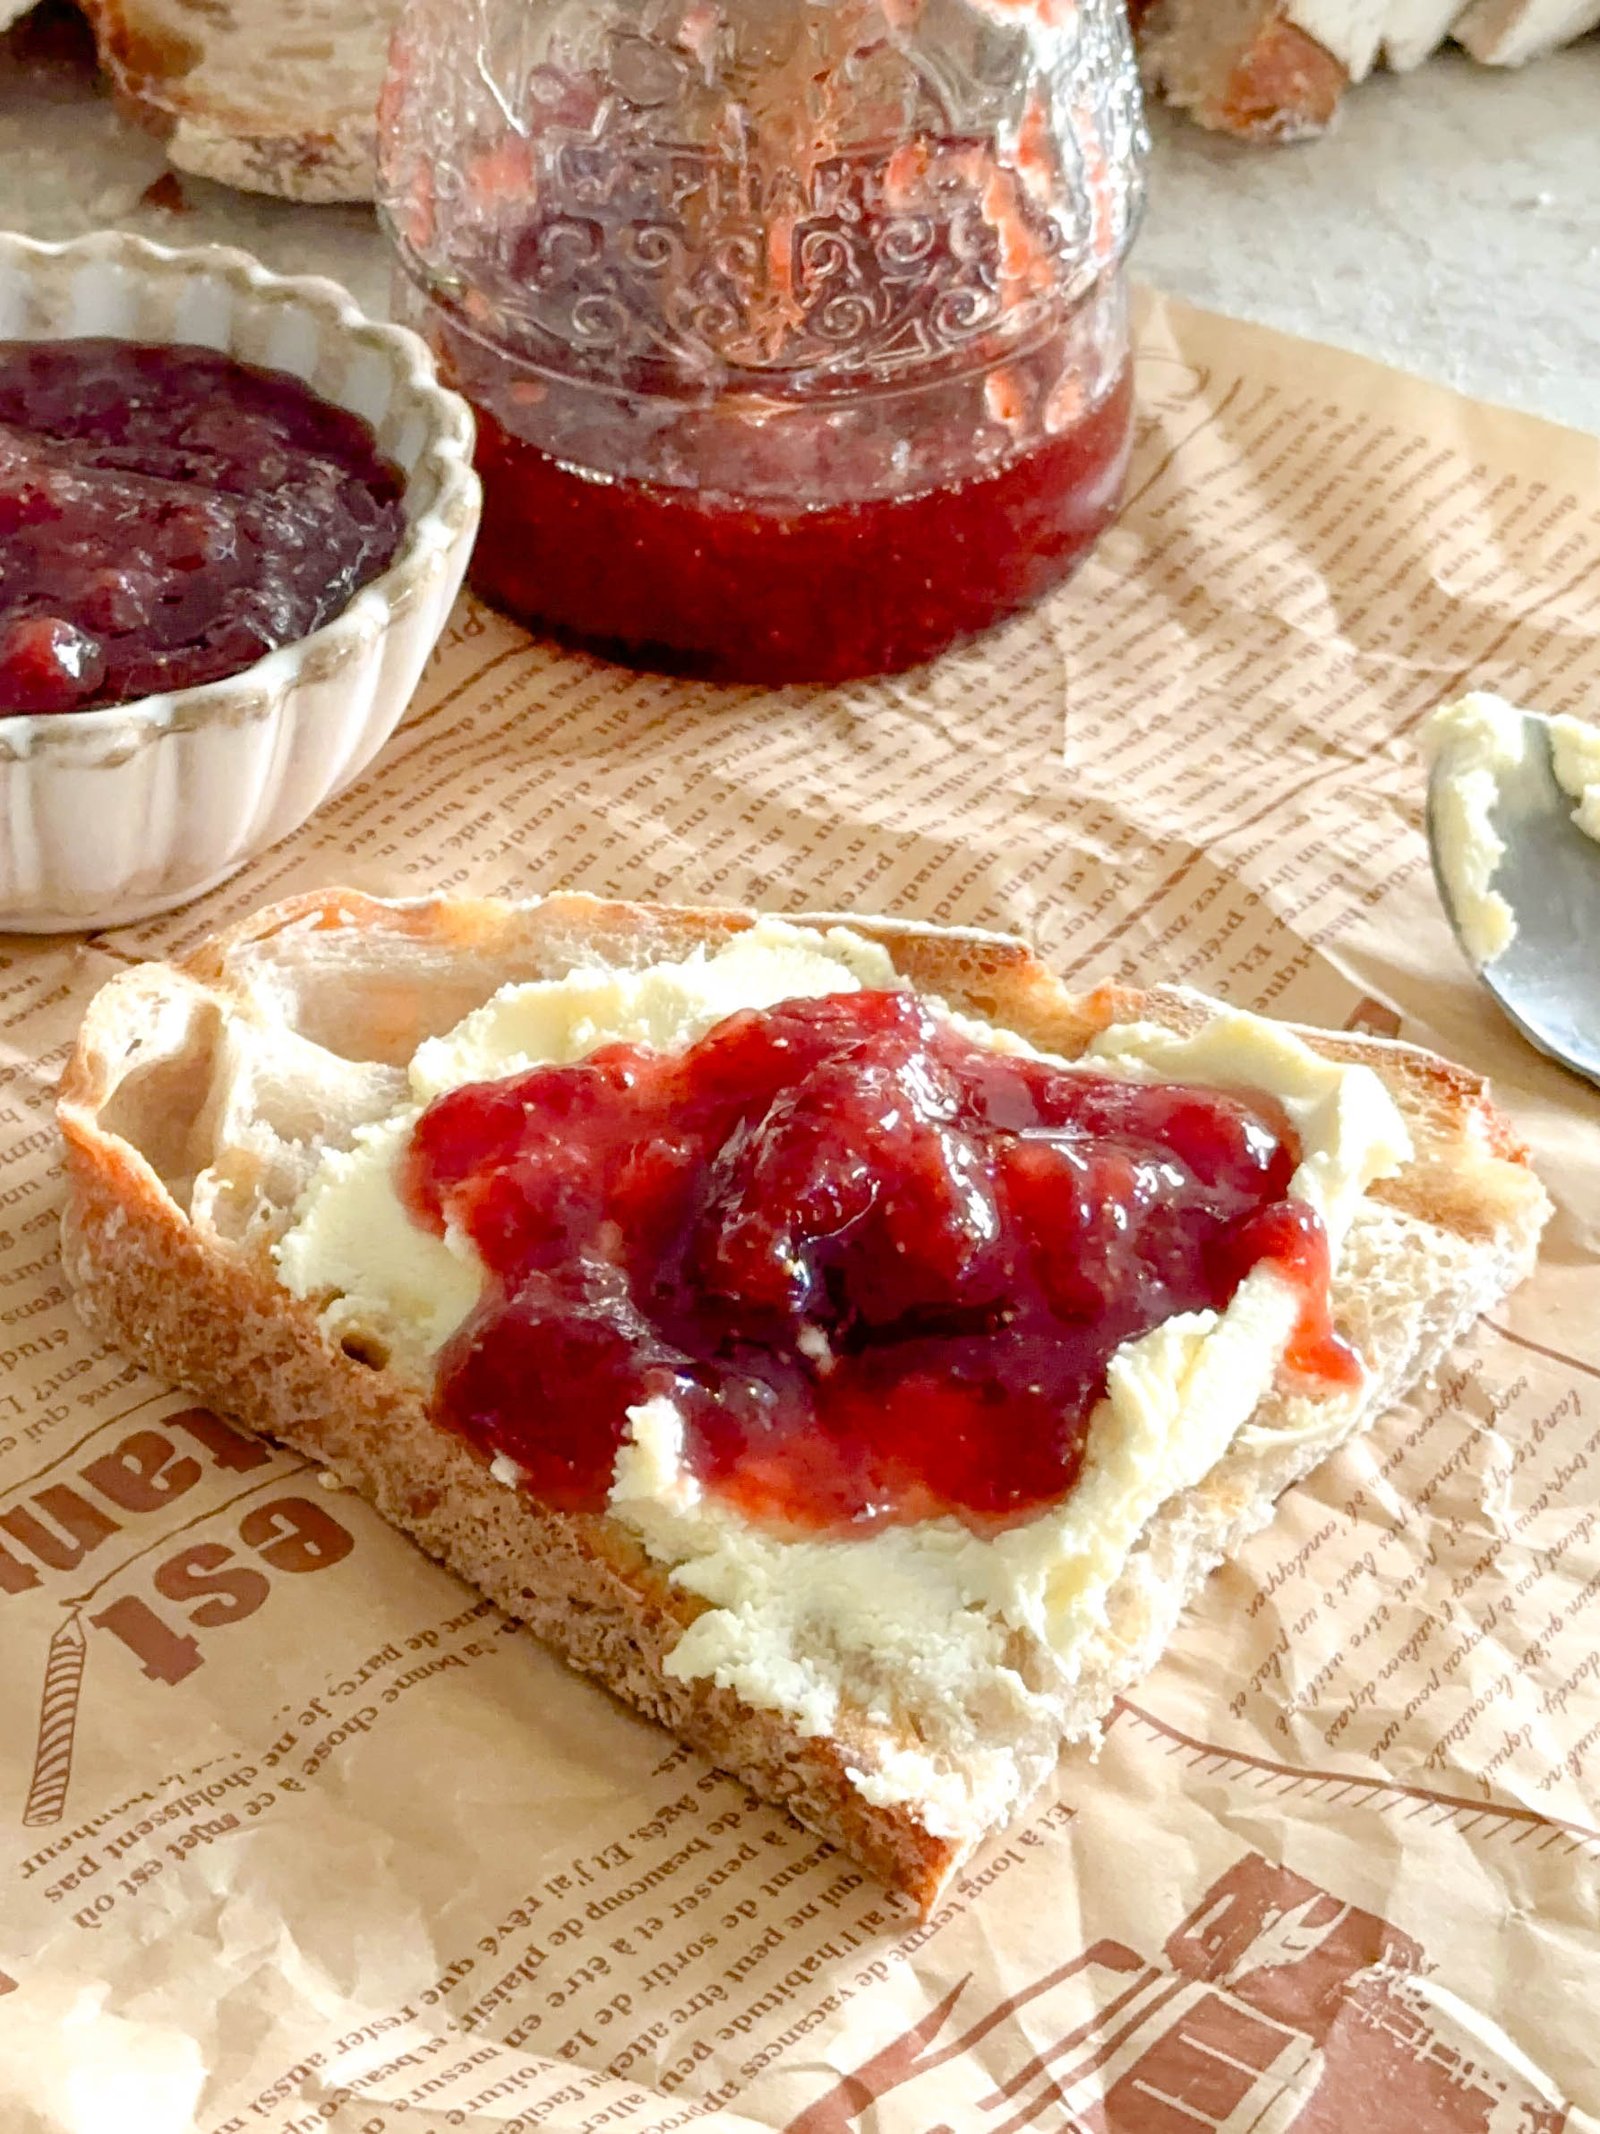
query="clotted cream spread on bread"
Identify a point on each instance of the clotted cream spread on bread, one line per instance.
(973, 1640)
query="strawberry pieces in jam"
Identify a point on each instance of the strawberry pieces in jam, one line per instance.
(879, 1268)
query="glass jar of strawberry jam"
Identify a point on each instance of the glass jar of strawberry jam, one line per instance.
(796, 329)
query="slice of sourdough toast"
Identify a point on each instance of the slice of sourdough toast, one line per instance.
(201, 1097)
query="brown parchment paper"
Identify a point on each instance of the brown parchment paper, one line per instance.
(298, 1834)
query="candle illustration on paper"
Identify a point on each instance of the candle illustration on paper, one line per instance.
(58, 1723)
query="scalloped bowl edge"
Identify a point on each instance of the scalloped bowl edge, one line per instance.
(114, 815)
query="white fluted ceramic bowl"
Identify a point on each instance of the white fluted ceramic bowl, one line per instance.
(108, 816)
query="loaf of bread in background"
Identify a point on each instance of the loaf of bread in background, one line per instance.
(1275, 70)
(272, 96)
(281, 98)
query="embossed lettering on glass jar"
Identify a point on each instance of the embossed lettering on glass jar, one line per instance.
(797, 333)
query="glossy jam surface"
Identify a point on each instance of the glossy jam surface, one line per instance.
(168, 515)
(879, 1268)
(698, 581)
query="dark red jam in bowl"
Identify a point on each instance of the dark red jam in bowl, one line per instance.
(168, 515)
(879, 1268)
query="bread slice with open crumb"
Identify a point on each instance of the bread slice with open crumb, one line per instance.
(200, 1100)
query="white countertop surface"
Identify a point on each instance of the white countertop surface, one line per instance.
(1449, 223)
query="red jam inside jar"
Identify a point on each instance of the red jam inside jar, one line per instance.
(697, 581)
(879, 1268)
(893, 436)
(168, 515)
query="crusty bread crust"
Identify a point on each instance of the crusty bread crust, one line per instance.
(1240, 67)
(282, 101)
(1442, 1242)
